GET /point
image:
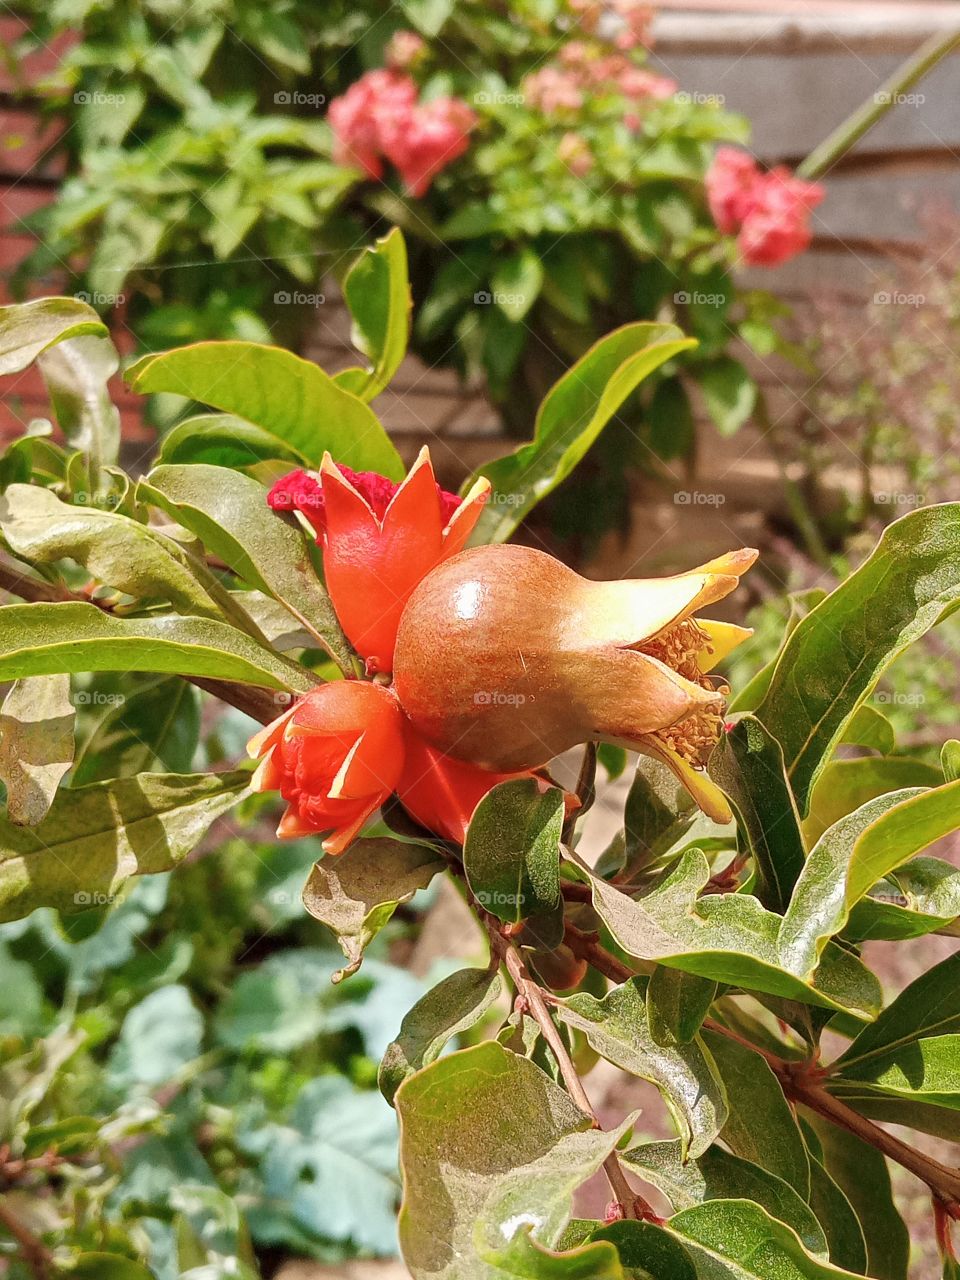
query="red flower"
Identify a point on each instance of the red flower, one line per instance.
(379, 115)
(769, 212)
(335, 756)
(379, 540)
(441, 793)
(358, 116)
(427, 139)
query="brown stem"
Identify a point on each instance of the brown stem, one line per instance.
(254, 700)
(35, 1254)
(633, 1205)
(802, 1086)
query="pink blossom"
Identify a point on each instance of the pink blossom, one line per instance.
(768, 212)
(552, 89)
(731, 182)
(427, 139)
(358, 117)
(635, 82)
(403, 49)
(778, 225)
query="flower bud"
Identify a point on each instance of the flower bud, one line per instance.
(335, 756)
(505, 658)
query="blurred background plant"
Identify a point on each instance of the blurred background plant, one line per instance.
(203, 188)
(179, 1078)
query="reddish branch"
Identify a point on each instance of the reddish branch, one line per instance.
(802, 1085)
(34, 1252)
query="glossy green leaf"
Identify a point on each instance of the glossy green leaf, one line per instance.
(761, 1126)
(30, 328)
(118, 552)
(747, 765)
(738, 1240)
(274, 389)
(455, 1004)
(36, 745)
(870, 728)
(729, 938)
(511, 855)
(649, 1250)
(658, 812)
(616, 1027)
(862, 1175)
(524, 1259)
(516, 283)
(852, 856)
(571, 417)
(229, 513)
(921, 897)
(377, 291)
(845, 785)
(95, 838)
(224, 440)
(836, 1216)
(950, 760)
(836, 654)
(718, 1175)
(356, 893)
(153, 730)
(108, 1266)
(926, 1070)
(929, 1006)
(677, 1004)
(749, 697)
(488, 1145)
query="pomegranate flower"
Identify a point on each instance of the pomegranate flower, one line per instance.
(505, 658)
(334, 756)
(379, 540)
(768, 212)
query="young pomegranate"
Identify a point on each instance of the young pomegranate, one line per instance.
(505, 657)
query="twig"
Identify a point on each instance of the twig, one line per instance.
(35, 1254)
(632, 1204)
(802, 1085)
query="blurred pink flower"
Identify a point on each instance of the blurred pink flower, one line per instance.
(427, 139)
(378, 99)
(403, 49)
(778, 225)
(768, 212)
(553, 89)
(380, 116)
(635, 82)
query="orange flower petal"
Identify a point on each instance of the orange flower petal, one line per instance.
(464, 519)
(269, 735)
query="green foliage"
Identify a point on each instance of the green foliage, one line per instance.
(187, 1081)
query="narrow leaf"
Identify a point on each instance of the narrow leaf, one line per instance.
(512, 852)
(836, 654)
(377, 291)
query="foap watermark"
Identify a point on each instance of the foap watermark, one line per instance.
(895, 498)
(486, 99)
(887, 98)
(107, 501)
(98, 299)
(698, 299)
(294, 98)
(94, 898)
(696, 99)
(895, 298)
(896, 698)
(95, 98)
(484, 298)
(498, 698)
(96, 698)
(697, 498)
(506, 499)
(283, 298)
(495, 898)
